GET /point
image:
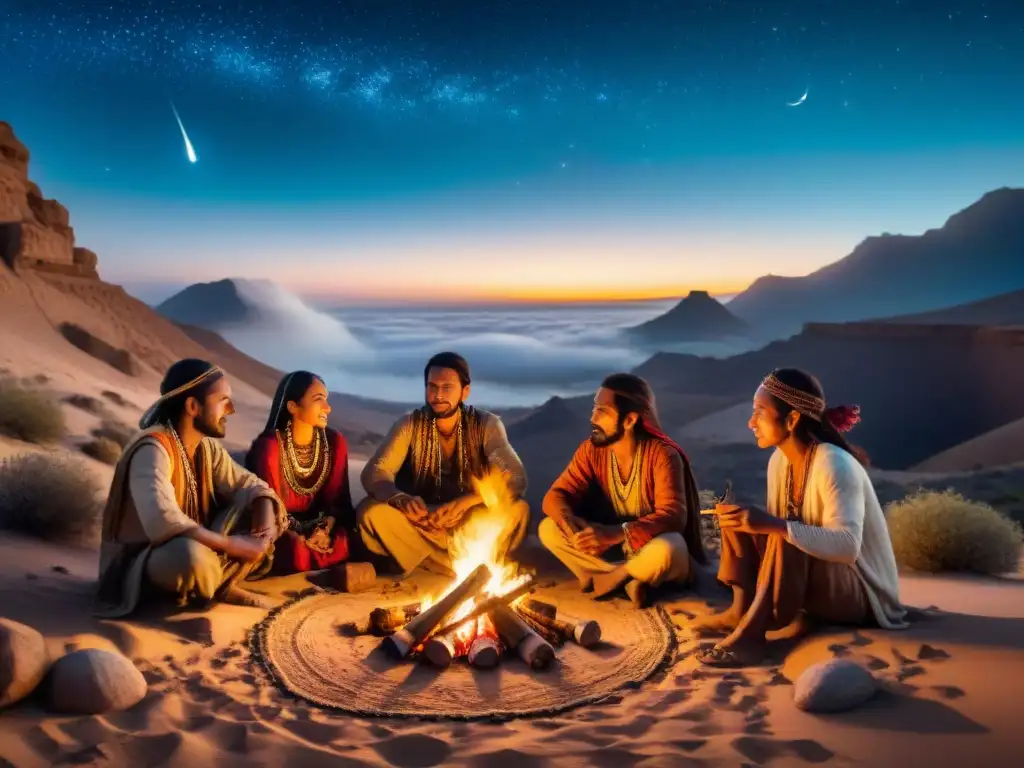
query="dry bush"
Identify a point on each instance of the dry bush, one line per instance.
(51, 496)
(103, 449)
(943, 531)
(30, 415)
(114, 431)
(86, 403)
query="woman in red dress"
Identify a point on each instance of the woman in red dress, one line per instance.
(306, 463)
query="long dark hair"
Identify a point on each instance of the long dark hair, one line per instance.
(292, 388)
(834, 421)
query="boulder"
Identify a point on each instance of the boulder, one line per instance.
(837, 685)
(23, 661)
(93, 681)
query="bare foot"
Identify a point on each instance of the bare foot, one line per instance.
(239, 596)
(637, 592)
(606, 583)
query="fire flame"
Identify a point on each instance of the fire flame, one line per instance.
(478, 541)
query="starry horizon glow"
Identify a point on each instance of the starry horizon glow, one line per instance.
(509, 150)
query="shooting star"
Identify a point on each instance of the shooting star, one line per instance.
(189, 150)
(799, 101)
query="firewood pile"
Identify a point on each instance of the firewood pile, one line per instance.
(483, 629)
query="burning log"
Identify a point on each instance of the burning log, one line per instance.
(515, 633)
(486, 606)
(413, 633)
(486, 649)
(387, 621)
(442, 650)
(584, 632)
(539, 606)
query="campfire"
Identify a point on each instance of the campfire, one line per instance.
(489, 611)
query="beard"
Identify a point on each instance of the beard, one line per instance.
(444, 410)
(209, 428)
(600, 439)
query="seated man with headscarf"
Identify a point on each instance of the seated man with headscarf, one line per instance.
(182, 518)
(419, 483)
(625, 512)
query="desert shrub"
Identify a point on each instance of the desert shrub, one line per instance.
(943, 531)
(85, 403)
(115, 432)
(103, 449)
(30, 415)
(51, 496)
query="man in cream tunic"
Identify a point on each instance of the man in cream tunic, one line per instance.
(822, 549)
(178, 502)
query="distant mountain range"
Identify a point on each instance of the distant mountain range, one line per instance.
(976, 254)
(1005, 309)
(698, 317)
(214, 306)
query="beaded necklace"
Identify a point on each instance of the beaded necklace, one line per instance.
(191, 487)
(314, 460)
(793, 507)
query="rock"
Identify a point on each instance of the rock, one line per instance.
(13, 152)
(837, 685)
(35, 232)
(96, 347)
(93, 681)
(23, 661)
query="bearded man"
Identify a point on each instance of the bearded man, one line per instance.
(419, 482)
(625, 512)
(182, 517)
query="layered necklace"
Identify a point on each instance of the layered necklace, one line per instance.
(305, 467)
(793, 506)
(191, 487)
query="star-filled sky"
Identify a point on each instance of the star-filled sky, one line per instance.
(400, 149)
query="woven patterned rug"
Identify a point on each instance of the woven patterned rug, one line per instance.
(305, 647)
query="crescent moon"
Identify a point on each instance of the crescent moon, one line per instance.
(799, 101)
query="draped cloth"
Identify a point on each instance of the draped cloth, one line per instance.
(144, 509)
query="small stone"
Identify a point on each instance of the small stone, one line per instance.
(23, 661)
(93, 681)
(836, 685)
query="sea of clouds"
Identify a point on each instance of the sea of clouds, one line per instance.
(519, 354)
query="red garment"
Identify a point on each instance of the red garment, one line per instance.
(334, 499)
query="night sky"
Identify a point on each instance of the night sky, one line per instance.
(393, 148)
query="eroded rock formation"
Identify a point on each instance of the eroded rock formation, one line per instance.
(35, 232)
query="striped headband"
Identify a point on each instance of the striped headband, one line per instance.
(802, 402)
(149, 418)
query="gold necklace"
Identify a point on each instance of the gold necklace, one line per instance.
(792, 507)
(623, 490)
(191, 487)
(293, 471)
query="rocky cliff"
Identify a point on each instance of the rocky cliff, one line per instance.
(35, 232)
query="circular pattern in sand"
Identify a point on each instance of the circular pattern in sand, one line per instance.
(305, 647)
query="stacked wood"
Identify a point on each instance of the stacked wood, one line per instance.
(442, 650)
(486, 606)
(486, 649)
(416, 631)
(517, 635)
(387, 621)
(583, 632)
